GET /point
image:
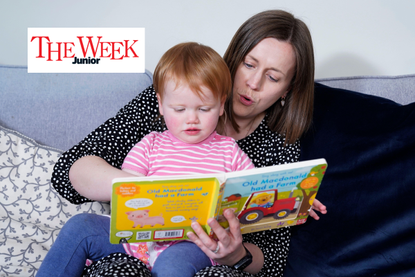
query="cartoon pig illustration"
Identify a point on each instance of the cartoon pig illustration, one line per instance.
(141, 218)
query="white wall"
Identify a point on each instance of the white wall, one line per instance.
(353, 37)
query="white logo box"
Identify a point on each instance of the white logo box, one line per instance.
(86, 50)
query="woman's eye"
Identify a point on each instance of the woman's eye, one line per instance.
(248, 65)
(273, 79)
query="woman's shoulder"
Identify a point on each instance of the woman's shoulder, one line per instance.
(148, 92)
(145, 101)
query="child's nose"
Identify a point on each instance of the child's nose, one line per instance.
(192, 118)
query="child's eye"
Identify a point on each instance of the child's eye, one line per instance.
(178, 110)
(205, 109)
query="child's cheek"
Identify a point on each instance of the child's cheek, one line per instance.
(173, 122)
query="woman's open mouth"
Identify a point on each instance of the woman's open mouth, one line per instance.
(245, 100)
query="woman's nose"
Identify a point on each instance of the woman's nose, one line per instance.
(254, 81)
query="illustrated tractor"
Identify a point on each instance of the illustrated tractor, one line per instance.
(266, 203)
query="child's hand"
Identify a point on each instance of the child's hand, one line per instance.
(317, 206)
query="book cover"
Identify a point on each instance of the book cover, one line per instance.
(160, 208)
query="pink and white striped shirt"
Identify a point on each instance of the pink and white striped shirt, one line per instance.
(163, 154)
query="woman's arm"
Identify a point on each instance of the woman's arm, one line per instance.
(91, 176)
(109, 144)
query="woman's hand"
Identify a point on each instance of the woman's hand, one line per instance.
(317, 206)
(228, 244)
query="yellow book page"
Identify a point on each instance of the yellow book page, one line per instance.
(167, 204)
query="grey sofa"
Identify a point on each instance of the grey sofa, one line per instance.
(42, 115)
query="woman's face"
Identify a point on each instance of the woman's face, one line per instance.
(262, 78)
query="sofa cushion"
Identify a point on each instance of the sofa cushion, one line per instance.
(369, 144)
(31, 211)
(60, 109)
(397, 88)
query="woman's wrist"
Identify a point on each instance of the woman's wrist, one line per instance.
(257, 258)
(245, 261)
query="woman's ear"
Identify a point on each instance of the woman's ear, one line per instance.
(285, 93)
(160, 106)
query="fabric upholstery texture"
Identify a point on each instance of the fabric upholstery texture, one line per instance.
(397, 88)
(31, 211)
(369, 144)
(57, 110)
(60, 109)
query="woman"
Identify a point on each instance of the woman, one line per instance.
(272, 66)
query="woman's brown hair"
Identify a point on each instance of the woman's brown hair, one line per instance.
(295, 117)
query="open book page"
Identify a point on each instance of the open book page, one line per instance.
(149, 209)
(160, 208)
(273, 197)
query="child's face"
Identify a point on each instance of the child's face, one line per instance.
(188, 117)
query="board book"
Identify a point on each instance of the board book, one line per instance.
(160, 208)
